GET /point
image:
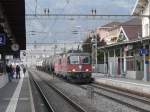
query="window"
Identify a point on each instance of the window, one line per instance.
(68, 60)
(79, 59)
(59, 61)
(74, 59)
(146, 29)
(85, 59)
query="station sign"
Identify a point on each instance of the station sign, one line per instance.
(143, 51)
(2, 39)
(147, 60)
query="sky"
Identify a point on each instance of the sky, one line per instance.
(55, 29)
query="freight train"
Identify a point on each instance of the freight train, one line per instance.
(72, 66)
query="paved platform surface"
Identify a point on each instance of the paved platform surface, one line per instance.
(3, 80)
(16, 96)
(138, 86)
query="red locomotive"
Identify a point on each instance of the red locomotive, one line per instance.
(75, 67)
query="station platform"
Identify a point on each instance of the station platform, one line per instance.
(3, 80)
(134, 86)
(16, 96)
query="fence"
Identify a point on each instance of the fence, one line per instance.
(102, 68)
(135, 63)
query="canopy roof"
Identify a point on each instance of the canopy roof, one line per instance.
(14, 12)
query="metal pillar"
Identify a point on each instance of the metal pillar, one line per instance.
(145, 66)
(115, 66)
(105, 62)
(108, 68)
(114, 53)
(149, 45)
(149, 63)
(92, 60)
(124, 62)
(96, 55)
(94, 48)
(121, 63)
(93, 68)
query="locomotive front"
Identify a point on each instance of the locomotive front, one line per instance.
(79, 67)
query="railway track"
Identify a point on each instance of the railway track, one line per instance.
(135, 102)
(129, 95)
(73, 106)
(45, 100)
(130, 100)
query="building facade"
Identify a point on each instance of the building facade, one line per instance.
(128, 54)
(122, 58)
(142, 8)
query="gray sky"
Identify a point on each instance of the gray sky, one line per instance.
(60, 30)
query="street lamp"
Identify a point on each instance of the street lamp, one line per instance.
(94, 46)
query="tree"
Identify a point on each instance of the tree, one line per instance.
(87, 45)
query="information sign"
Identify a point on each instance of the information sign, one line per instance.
(143, 51)
(2, 39)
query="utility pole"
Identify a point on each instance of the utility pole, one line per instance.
(55, 47)
(35, 7)
(94, 47)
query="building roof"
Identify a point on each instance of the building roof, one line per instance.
(110, 25)
(131, 22)
(132, 32)
(132, 28)
(125, 43)
(139, 7)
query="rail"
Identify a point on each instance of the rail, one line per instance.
(48, 105)
(69, 100)
(74, 104)
(131, 105)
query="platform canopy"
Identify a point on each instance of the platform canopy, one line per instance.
(14, 14)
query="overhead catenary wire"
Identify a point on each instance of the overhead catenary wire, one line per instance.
(52, 43)
(84, 15)
(55, 20)
(79, 16)
(36, 18)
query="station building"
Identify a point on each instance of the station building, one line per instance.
(128, 45)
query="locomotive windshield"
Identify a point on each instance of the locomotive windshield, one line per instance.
(79, 60)
(74, 60)
(85, 59)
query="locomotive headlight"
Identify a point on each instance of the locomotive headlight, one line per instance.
(73, 70)
(87, 70)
